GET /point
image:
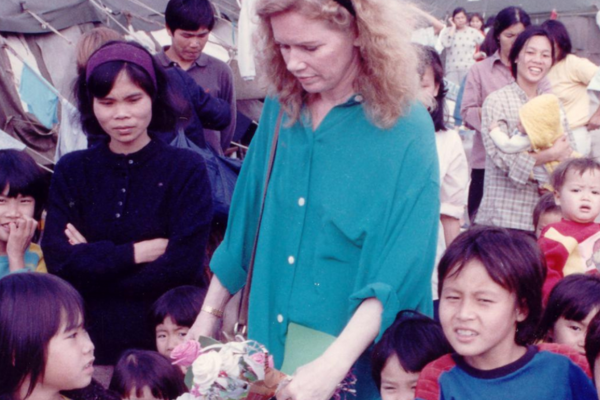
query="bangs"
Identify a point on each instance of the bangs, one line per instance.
(102, 79)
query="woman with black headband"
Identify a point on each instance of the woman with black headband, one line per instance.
(129, 218)
(348, 233)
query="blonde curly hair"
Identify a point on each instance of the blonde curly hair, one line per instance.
(388, 80)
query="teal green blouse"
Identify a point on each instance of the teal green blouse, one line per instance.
(351, 213)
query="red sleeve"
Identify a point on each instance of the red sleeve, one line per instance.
(556, 256)
(568, 352)
(428, 386)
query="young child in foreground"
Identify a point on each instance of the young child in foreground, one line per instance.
(546, 212)
(147, 375)
(573, 245)
(572, 304)
(44, 347)
(410, 343)
(490, 303)
(23, 190)
(173, 314)
(592, 350)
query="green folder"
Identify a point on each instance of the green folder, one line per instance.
(302, 346)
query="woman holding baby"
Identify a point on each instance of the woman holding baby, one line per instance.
(510, 189)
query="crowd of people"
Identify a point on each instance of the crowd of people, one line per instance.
(349, 217)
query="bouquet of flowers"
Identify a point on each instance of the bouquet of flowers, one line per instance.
(235, 370)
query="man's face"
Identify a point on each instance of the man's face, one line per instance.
(188, 45)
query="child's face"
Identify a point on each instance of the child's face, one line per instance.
(546, 219)
(13, 210)
(396, 382)
(169, 335)
(145, 395)
(476, 23)
(479, 318)
(70, 359)
(572, 333)
(579, 197)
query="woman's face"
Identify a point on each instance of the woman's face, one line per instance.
(124, 114)
(476, 23)
(534, 60)
(460, 20)
(429, 89)
(508, 36)
(323, 59)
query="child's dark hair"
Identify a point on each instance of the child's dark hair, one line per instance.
(189, 15)
(167, 106)
(573, 298)
(559, 37)
(522, 40)
(414, 338)
(137, 369)
(182, 304)
(592, 343)
(545, 204)
(32, 309)
(512, 259)
(579, 165)
(430, 57)
(23, 176)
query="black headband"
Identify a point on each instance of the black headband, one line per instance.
(347, 4)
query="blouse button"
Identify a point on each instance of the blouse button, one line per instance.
(280, 318)
(130, 162)
(123, 190)
(291, 260)
(120, 203)
(118, 215)
(301, 201)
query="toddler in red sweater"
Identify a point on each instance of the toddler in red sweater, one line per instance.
(573, 244)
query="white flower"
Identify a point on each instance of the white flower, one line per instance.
(230, 355)
(206, 369)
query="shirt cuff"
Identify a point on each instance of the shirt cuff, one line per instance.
(386, 295)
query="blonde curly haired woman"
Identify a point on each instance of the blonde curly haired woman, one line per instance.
(348, 234)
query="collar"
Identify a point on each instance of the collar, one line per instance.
(165, 61)
(133, 159)
(497, 372)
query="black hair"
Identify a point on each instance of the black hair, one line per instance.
(167, 107)
(459, 10)
(33, 307)
(414, 338)
(579, 165)
(592, 343)
(24, 177)
(430, 57)
(545, 204)
(189, 15)
(137, 369)
(521, 41)
(182, 304)
(506, 18)
(512, 259)
(559, 36)
(573, 298)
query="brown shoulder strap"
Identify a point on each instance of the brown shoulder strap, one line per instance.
(243, 311)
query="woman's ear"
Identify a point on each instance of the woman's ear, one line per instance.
(522, 311)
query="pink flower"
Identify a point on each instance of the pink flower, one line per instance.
(258, 358)
(186, 353)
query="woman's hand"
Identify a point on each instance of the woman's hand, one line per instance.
(149, 250)
(480, 55)
(560, 151)
(594, 122)
(317, 380)
(21, 232)
(74, 236)
(206, 323)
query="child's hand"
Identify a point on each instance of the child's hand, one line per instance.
(19, 239)
(493, 125)
(74, 236)
(521, 128)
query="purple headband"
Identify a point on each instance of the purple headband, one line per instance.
(347, 4)
(121, 51)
